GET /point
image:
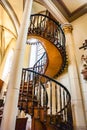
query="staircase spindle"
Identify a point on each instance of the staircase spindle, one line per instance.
(34, 20)
(40, 22)
(56, 97)
(33, 92)
(64, 102)
(60, 98)
(37, 22)
(38, 96)
(44, 111)
(60, 92)
(44, 24)
(50, 102)
(27, 97)
(22, 89)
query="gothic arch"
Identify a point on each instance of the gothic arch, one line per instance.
(11, 13)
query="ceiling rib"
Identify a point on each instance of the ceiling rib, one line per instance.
(65, 11)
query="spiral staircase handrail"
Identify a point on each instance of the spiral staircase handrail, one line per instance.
(37, 64)
(56, 22)
(49, 29)
(51, 79)
(56, 101)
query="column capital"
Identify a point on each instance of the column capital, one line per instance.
(67, 28)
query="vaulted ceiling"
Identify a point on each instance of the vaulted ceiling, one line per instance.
(71, 9)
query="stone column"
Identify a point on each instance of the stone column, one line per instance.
(10, 108)
(76, 95)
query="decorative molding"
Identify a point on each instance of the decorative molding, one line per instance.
(65, 11)
(52, 8)
(67, 28)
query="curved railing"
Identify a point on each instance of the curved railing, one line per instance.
(41, 96)
(41, 65)
(59, 103)
(43, 26)
(54, 33)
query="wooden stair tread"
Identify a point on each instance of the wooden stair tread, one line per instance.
(29, 100)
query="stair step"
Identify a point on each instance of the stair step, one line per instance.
(40, 112)
(25, 94)
(29, 100)
(25, 87)
(28, 105)
(37, 125)
(29, 82)
(52, 127)
(54, 119)
(27, 97)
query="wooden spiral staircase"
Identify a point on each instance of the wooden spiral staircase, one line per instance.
(45, 99)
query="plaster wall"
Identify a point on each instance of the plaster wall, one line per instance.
(80, 35)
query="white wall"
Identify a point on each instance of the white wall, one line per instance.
(80, 35)
(17, 5)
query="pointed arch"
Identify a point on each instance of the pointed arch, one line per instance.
(11, 13)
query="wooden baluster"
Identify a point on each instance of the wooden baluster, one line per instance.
(37, 21)
(60, 35)
(58, 32)
(45, 26)
(56, 96)
(45, 102)
(21, 77)
(67, 98)
(33, 92)
(66, 108)
(50, 102)
(43, 98)
(64, 103)
(60, 98)
(27, 96)
(38, 97)
(30, 27)
(53, 35)
(22, 89)
(56, 103)
(40, 23)
(34, 18)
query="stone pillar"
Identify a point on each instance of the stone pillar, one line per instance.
(76, 95)
(27, 56)
(10, 108)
